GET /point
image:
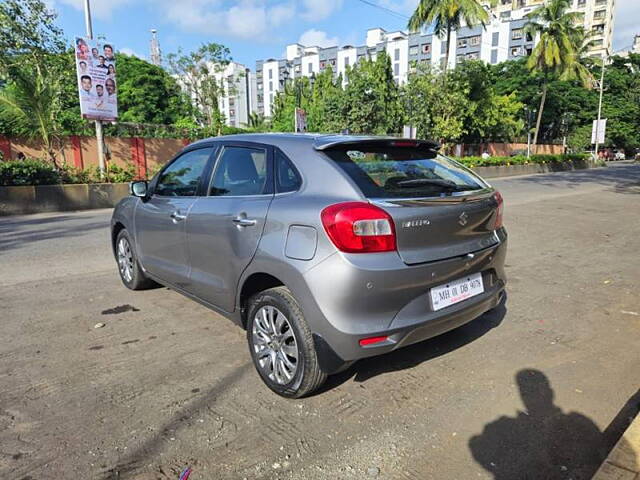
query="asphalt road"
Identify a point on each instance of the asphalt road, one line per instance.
(539, 388)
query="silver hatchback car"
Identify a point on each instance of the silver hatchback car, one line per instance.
(326, 249)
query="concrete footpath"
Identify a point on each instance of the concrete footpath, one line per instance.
(623, 463)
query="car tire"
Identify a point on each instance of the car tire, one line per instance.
(279, 337)
(131, 273)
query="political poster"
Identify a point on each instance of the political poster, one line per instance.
(97, 85)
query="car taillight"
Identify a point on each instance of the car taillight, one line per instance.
(499, 210)
(358, 227)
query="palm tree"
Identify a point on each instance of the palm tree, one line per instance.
(446, 16)
(257, 121)
(560, 49)
(30, 103)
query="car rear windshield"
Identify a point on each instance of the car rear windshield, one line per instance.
(383, 171)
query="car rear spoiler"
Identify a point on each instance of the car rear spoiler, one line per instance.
(335, 142)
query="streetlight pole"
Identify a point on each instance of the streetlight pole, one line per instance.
(99, 134)
(604, 62)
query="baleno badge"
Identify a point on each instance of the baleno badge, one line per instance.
(416, 223)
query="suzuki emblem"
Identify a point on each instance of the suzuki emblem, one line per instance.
(463, 218)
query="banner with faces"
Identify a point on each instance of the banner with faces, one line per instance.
(97, 85)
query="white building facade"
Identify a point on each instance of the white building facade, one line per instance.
(595, 15)
(240, 97)
(503, 39)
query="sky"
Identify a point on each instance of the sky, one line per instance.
(259, 29)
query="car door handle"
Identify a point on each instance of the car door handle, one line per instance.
(244, 222)
(177, 216)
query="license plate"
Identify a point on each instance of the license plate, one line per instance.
(456, 291)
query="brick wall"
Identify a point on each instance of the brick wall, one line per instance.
(82, 152)
(506, 149)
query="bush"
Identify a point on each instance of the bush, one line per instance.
(521, 160)
(116, 174)
(72, 175)
(40, 172)
(28, 172)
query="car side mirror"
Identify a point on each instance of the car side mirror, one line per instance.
(139, 188)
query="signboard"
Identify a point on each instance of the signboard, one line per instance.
(409, 131)
(96, 69)
(598, 131)
(301, 120)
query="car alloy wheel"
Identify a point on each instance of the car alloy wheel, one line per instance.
(125, 260)
(275, 345)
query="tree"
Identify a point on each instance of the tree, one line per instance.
(468, 110)
(326, 107)
(372, 98)
(489, 116)
(321, 97)
(148, 94)
(446, 16)
(27, 32)
(257, 122)
(30, 104)
(564, 98)
(30, 47)
(437, 113)
(196, 71)
(558, 49)
(621, 97)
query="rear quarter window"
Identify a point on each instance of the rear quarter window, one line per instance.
(287, 177)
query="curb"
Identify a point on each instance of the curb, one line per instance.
(623, 462)
(28, 199)
(503, 171)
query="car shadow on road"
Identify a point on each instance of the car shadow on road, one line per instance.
(421, 352)
(12, 238)
(542, 441)
(10, 222)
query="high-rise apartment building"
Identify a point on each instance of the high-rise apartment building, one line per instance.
(307, 61)
(499, 42)
(503, 38)
(239, 100)
(595, 15)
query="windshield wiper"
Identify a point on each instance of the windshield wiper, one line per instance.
(416, 182)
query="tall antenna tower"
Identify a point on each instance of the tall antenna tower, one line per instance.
(156, 55)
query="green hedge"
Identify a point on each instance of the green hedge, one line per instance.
(522, 160)
(40, 172)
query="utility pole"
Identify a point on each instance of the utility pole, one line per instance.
(99, 135)
(604, 62)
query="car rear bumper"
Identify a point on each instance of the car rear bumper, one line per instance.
(355, 300)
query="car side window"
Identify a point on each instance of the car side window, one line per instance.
(240, 171)
(181, 178)
(287, 178)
